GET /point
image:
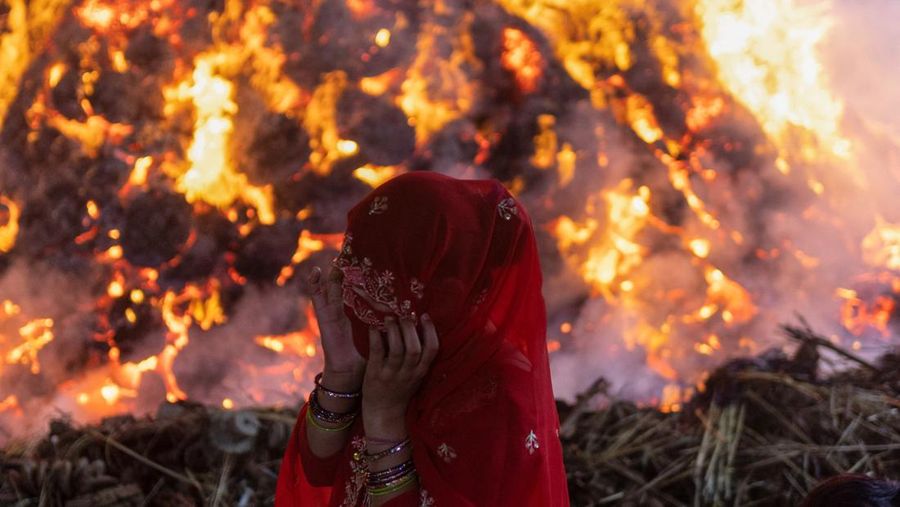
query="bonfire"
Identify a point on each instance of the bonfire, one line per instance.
(697, 173)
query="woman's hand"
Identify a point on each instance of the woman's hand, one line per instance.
(393, 375)
(344, 366)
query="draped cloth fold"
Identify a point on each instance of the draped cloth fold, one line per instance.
(484, 425)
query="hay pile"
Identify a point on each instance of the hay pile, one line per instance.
(188, 455)
(763, 433)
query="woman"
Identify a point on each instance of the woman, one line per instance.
(436, 387)
(854, 490)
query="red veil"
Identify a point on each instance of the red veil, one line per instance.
(484, 424)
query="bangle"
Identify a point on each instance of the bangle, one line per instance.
(317, 425)
(327, 415)
(382, 477)
(387, 452)
(334, 394)
(397, 486)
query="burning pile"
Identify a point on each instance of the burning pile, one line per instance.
(170, 170)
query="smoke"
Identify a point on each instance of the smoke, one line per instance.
(862, 55)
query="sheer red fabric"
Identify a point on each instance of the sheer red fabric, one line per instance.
(484, 424)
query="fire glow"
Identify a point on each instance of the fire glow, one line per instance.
(195, 164)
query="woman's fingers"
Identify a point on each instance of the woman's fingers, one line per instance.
(315, 287)
(412, 345)
(333, 290)
(395, 345)
(430, 344)
(376, 349)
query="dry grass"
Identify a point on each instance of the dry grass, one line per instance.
(763, 433)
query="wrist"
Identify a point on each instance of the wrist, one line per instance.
(345, 382)
(384, 424)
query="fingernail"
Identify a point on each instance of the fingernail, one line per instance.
(426, 317)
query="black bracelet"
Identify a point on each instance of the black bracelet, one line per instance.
(334, 394)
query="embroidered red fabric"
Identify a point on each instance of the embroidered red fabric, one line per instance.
(484, 424)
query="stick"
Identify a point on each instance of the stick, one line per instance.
(150, 463)
(806, 334)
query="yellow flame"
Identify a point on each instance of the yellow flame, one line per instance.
(25, 33)
(546, 143)
(615, 252)
(35, 335)
(211, 177)
(586, 34)
(881, 247)
(766, 52)
(9, 227)
(437, 89)
(521, 57)
(299, 343)
(374, 175)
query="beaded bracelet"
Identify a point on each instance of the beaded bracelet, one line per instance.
(312, 420)
(397, 486)
(327, 415)
(387, 452)
(334, 394)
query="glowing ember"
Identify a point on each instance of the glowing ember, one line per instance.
(522, 58)
(35, 335)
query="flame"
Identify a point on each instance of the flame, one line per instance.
(585, 34)
(308, 244)
(9, 403)
(881, 247)
(24, 35)
(522, 58)
(766, 52)
(9, 224)
(858, 315)
(437, 90)
(211, 177)
(35, 335)
(373, 175)
(321, 123)
(92, 133)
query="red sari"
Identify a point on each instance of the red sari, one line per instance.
(484, 426)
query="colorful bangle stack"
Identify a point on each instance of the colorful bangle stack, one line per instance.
(391, 480)
(311, 419)
(320, 417)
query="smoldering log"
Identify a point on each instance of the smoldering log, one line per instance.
(157, 225)
(380, 128)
